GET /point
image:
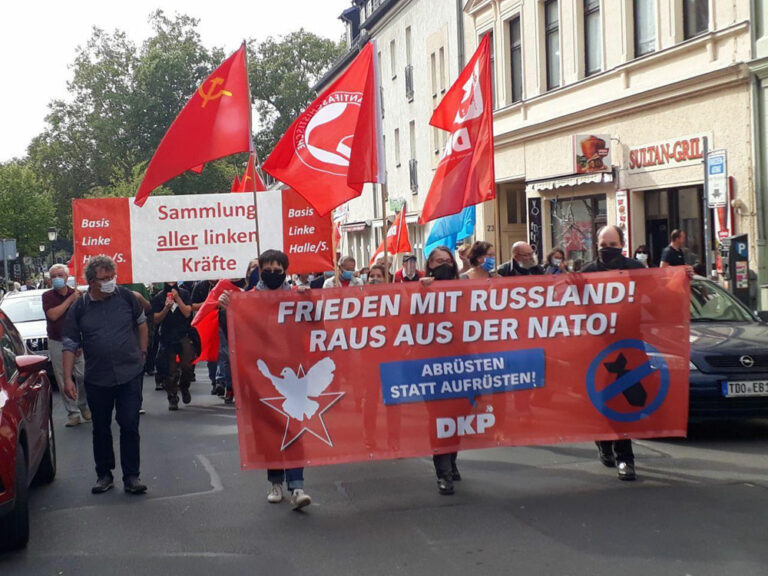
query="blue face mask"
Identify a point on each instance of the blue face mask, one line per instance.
(347, 274)
(489, 264)
(59, 283)
(328, 274)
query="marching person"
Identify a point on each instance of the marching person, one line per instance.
(442, 266)
(110, 326)
(377, 274)
(555, 262)
(273, 267)
(524, 262)
(673, 254)
(346, 274)
(172, 312)
(482, 261)
(409, 272)
(56, 302)
(610, 241)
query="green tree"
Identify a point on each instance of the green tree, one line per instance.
(26, 210)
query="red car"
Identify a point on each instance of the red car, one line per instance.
(27, 444)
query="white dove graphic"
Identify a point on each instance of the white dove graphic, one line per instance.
(299, 391)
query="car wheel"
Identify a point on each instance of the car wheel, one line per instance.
(46, 472)
(14, 527)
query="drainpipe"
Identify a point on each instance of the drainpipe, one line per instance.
(460, 33)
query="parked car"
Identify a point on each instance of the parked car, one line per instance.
(27, 442)
(729, 356)
(25, 309)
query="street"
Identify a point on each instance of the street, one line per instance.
(697, 508)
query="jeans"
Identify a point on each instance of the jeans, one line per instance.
(212, 371)
(125, 399)
(74, 407)
(172, 373)
(445, 464)
(621, 449)
(293, 476)
(223, 362)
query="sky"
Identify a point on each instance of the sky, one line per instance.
(38, 39)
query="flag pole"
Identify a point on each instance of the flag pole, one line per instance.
(497, 227)
(252, 151)
(384, 231)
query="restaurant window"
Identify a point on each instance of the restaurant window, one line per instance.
(695, 17)
(552, 41)
(516, 58)
(645, 26)
(592, 37)
(575, 222)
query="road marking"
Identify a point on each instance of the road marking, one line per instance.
(216, 485)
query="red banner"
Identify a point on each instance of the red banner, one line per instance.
(102, 226)
(392, 371)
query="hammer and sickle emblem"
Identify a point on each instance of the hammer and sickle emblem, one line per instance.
(212, 93)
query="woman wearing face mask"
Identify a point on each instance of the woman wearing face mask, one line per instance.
(555, 262)
(641, 255)
(441, 265)
(377, 274)
(482, 261)
(346, 274)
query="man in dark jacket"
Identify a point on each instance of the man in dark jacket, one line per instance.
(610, 241)
(524, 262)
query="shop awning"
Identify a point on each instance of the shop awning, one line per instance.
(568, 181)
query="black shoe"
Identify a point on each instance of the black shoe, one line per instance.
(186, 397)
(132, 485)
(103, 484)
(626, 471)
(455, 475)
(193, 378)
(445, 486)
(608, 460)
(150, 372)
(220, 390)
(229, 397)
(173, 403)
(159, 386)
(214, 391)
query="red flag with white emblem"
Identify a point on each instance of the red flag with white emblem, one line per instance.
(216, 122)
(333, 147)
(465, 174)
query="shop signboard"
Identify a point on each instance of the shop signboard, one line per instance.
(673, 153)
(623, 219)
(591, 153)
(534, 227)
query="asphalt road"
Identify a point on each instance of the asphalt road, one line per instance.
(698, 508)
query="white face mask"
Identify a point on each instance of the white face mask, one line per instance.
(109, 286)
(642, 258)
(556, 261)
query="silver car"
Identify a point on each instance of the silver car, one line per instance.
(25, 309)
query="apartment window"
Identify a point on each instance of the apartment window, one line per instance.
(592, 40)
(433, 72)
(441, 59)
(552, 40)
(645, 26)
(408, 46)
(392, 59)
(493, 64)
(397, 147)
(695, 17)
(412, 165)
(516, 56)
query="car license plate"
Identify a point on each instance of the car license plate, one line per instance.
(745, 388)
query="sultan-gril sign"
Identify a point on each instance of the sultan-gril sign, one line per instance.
(674, 153)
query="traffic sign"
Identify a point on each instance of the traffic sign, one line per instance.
(717, 179)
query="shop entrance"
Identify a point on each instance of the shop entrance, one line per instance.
(667, 210)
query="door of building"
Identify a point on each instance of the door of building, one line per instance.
(657, 237)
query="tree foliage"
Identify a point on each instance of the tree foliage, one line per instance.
(26, 209)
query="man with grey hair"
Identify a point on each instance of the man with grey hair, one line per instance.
(56, 302)
(524, 262)
(108, 323)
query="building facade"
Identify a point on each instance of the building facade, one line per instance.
(603, 109)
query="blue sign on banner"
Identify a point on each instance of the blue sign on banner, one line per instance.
(466, 376)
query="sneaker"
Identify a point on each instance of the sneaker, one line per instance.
(300, 499)
(626, 471)
(229, 397)
(445, 486)
(159, 386)
(103, 484)
(186, 397)
(72, 420)
(85, 415)
(132, 485)
(142, 411)
(173, 403)
(276, 494)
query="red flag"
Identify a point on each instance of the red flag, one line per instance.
(332, 148)
(337, 234)
(465, 174)
(235, 184)
(397, 238)
(246, 182)
(197, 169)
(206, 322)
(214, 123)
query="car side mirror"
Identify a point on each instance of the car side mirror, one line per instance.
(30, 364)
(762, 314)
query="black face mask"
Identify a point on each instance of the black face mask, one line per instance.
(611, 257)
(272, 279)
(168, 286)
(443, 272)
(239, 283)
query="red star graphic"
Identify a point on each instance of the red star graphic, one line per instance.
(315, 425)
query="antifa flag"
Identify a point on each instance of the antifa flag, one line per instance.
(206, 322)
(214, 123)
(333, 147)
(465, 175)
(397, 238)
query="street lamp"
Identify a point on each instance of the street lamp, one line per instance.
(42, 256)
(52, 233)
